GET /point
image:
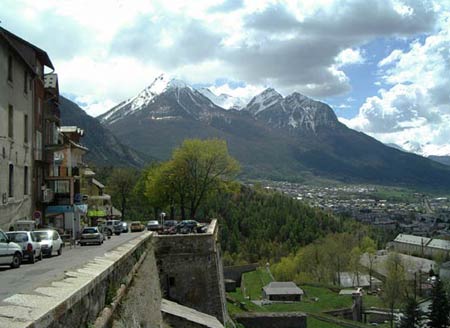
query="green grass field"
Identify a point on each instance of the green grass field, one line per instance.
(316, 299)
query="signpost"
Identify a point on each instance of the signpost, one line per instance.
(37, 216)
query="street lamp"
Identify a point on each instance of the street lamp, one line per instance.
(163, 215)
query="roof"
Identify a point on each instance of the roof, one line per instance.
(102, 197)
(440, 243)
(282, 288)
(98, 183)
(88, 172)
(71, 129)
(349, 279)
(412, 240)
(78, 145)
(27, 50)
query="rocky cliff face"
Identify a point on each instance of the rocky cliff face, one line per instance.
(295, 112)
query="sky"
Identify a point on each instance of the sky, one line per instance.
(382, 65)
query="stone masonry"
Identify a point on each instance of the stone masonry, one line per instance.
(190, 271)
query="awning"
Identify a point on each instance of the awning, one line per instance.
(59, 209)
(98, 183)
(98, 213)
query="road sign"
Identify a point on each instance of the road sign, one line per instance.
(37, 215)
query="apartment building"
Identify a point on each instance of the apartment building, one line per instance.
(22, 127)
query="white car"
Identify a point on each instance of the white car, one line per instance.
(31, 248)
(10, 253)
(50, 241)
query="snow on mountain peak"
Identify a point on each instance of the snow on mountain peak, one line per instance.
(159, 85)
(426, 149)
(223, 100)
(264, 100)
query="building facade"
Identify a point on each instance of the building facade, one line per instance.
(17, 77)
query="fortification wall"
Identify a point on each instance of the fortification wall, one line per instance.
(190, 271)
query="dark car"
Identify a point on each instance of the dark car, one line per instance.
(168, 225)
(154, 225)
(91, 235)
(188, 226)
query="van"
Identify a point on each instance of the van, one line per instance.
(25, 225)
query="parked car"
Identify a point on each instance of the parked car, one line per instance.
(10, 252)
(188, 226)
(154, 225)
(167, 225)
(91, 235)
(115, 226)
(50, 241)
(124, 226)
(110, 227)
(136, 226)
(30, 243)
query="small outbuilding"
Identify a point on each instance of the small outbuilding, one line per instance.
(282, 291)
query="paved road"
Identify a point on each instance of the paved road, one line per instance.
(30, 276)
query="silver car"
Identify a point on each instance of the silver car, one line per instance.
(10, 252)
(50, 241)
(91, 235)
(31, 247)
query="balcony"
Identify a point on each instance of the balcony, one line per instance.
(63, 190)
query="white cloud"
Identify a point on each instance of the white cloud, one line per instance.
(416, 107)
(107, 50)
(350, 56)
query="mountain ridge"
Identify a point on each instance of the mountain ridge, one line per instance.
(273, 136)
(105, 149)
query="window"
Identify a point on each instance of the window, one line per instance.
(3, 238)
(171, 281)
(25, 127)
(10, 122)
(10, 68)
(25, 81)
(11, 181)
(25, 180)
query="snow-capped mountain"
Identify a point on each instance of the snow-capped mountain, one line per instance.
(273, 136)
(223, 100)
(164, 99)
(426, 149)
(295, 111)
(438, 153)
(168, 99)
(266, 99)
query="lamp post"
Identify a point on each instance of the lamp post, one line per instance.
(163, 215)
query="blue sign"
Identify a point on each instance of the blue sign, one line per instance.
(59, 209)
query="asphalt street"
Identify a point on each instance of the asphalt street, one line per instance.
(30, 276)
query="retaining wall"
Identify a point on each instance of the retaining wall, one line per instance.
(77, 300)
(235, 272)
(269, 320)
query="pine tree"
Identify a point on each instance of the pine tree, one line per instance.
(413, 315)
(439, 311)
